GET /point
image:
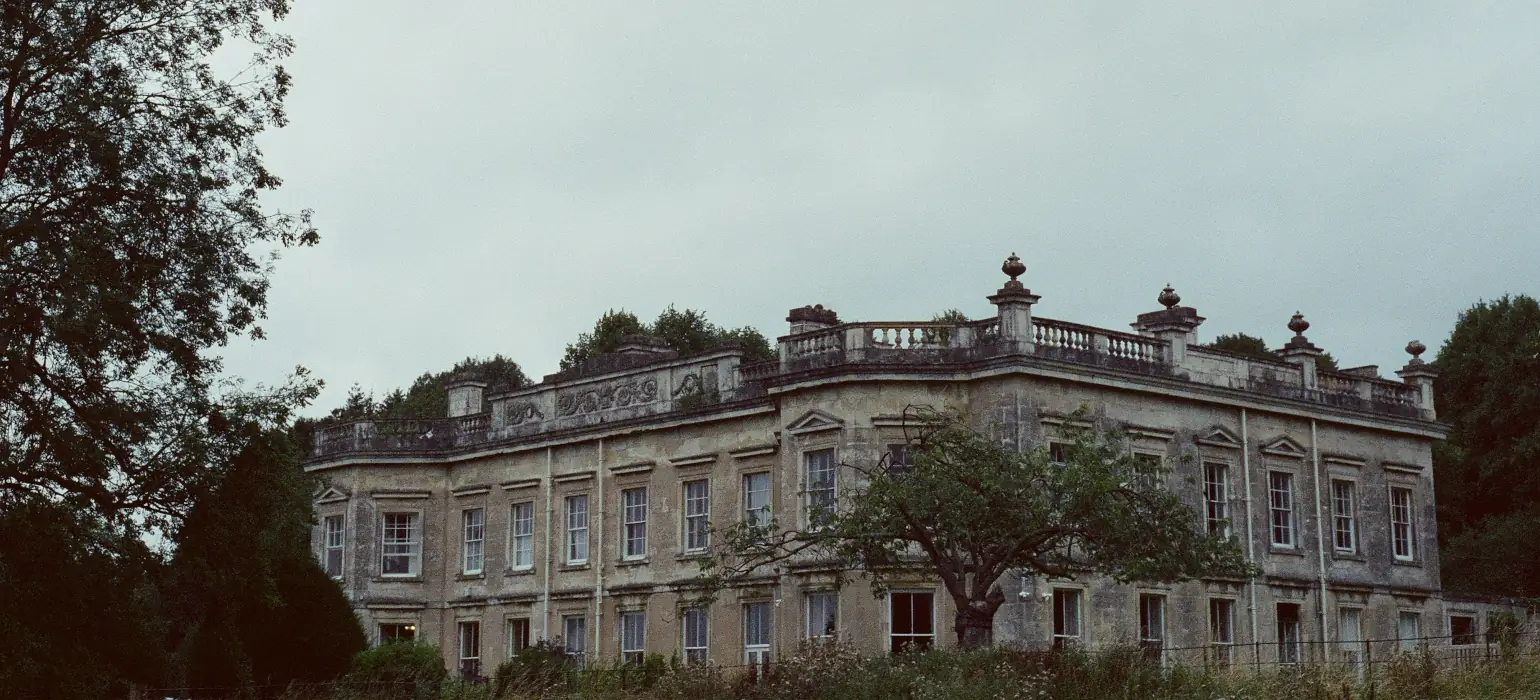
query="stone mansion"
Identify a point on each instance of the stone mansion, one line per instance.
(576, 509)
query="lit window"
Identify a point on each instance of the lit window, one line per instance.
(577, 529)
(522, 536)
(1462, 630)
(1402, 532)
(1066, 617)
(1221, 628)
(1288, 633)
(634, 519)
(397, 631)
(1152, 626)
(574, 637)
(1280, 492)
(822, 615)
(1409, 630)
(401, 545)
(1344, 521)
(334, 532)
(1216, 497)
(695, 634)
(633, 637)
(697, 515)
(756, 499)
(518, 635)
(820, 486)
(475, 528)
(913, 625)
(756, 633)
(470, 649)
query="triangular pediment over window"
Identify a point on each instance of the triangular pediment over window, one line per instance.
(332, 494)
(814, 421)
(1218, 436)
(1284, 446)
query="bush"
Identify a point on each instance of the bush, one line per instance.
(397, 670)
(533, 670)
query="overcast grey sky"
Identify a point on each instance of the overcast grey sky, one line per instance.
(491, 176)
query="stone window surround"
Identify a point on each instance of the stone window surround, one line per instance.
(534, 518)
(379, 549)
(1268, 469)
(805, 491)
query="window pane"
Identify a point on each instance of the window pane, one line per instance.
(634, 506)
(1216, 497)
(577, 529)
(474, 521)
(822, 614)
(697, 515)
(1344, 525)
(1401, 530)
(1281, 505)
(523, 530)
(518, 635)
(401, 544)
(756, 499)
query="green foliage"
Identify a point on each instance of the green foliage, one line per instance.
(397, 670)
(249, 604)
(1252, 346)
(72, 588)
(686, 331)
(1488, 389)
(427, 398)
(968, 504)
(534, 670)
(950, 316)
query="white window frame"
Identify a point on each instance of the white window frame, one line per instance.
(820, 493)
(696, 646)
(1068, 630)
(409, 547)
(521, 536)
(575, 645)
(469, 646)
(1350, 634)
(473, 550)
(1411, 639)
(893, 635)
(757, 516)
(633, 508)
(513, 642)
(821, 600)
(1216, 497)
(1344, 516)
(577, 528)
(1280, 503)
(1152, 625)
(1403, 524)
(633, 636)
(756, 651)
(697, 516)
(334, 544)
(1221, 628)
(1294, 647)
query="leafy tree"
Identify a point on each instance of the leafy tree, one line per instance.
(1488, 389)
(686, 331)
(398, 670)
(1252, 346)
(251, 605)
(950, 316)
(131, 231)
(79, 615)
(426, 398)
(967, 510)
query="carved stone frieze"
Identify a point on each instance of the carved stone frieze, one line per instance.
(618, 395)
(689, 386)
(524, 412)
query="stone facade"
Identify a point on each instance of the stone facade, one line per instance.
(476, 518)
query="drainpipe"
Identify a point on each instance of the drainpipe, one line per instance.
(1320, 533)
(596, 555)
(550, 561)
(1251, 542)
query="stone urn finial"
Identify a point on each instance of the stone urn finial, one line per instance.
(1416, 349)
(1168, 297)
(1298, 324)
(1013, 267)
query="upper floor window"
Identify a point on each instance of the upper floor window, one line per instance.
(401, 546)
(634, 520)
(900, 459)
(1280, 497)
(577, 529)
(756, 499)
(1147, 469)
(474, 525)
(1402, 528)
(1216, 497)
(820, 485)
(334, 536)
(1058, 452)
(521, 536)
(697, 515)
(1344, 521)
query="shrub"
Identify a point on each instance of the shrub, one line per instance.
(397, 670)
(533, 670)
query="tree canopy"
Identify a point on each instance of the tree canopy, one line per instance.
(1252, 346)
(427, 397)
(1488, 390)
(967, 510)
(687, 331)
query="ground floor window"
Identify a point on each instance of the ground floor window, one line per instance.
(574, 629)
(470, 648)
(633, 636)
(1221, 629)
(1462, 629)
(1152, 626)
(1350, 634)
(393, 631)
(1409, 630)
(823, 612)
(1066, 617)
(695, 636)
(913, 624)
(518, 635)
(756, 633)
(1288, 633)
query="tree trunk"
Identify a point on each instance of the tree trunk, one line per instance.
(975, 619)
